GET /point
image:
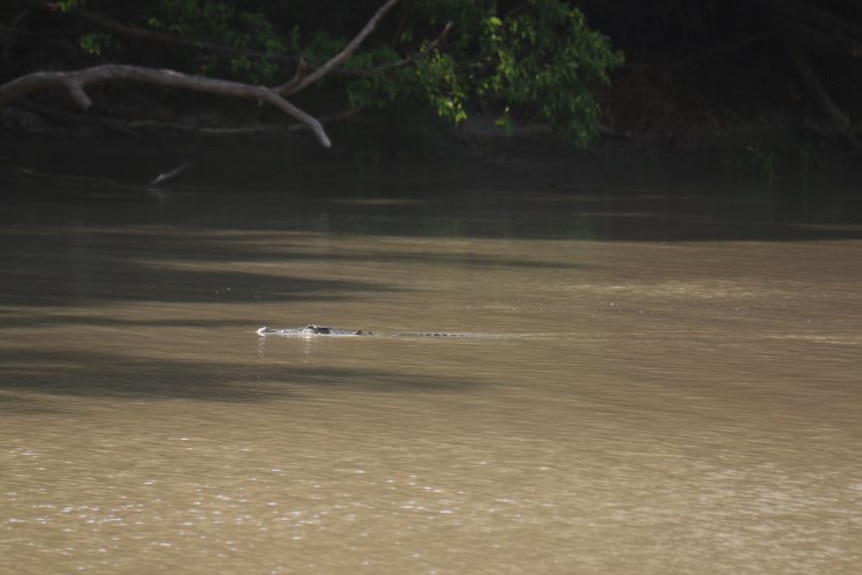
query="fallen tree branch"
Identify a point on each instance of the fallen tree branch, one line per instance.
(136, 128)
(303, 65)
(74, 83)
(226, 51)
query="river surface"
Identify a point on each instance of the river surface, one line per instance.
(670, 378)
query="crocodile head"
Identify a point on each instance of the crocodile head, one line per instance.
(317, 329)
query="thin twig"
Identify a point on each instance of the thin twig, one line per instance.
(407, 60)
(341, 57)
(166, 177)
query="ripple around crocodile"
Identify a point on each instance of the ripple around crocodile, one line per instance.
(317, 330)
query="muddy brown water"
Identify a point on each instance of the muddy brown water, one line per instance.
(673, 385)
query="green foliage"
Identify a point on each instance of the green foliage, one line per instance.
(544, 59)
(525, 60)
(94, 43)
(372, 90)
(69, 5)
(437, 78)
(537, 61)
(224, 23)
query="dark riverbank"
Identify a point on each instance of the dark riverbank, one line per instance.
(475, 150)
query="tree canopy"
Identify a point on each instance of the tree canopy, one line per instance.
(527, 60)
(691, 65)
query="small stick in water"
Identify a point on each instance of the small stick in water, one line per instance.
(168, 176)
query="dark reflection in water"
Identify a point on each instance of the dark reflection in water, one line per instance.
(669, 381)
(102, 374)
(497, 203)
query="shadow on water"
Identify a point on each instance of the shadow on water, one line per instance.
(63, 266)
(22, 316)
(102, 374)
(86, 241)
(60, 280)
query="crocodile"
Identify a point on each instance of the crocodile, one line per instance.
(309, 330)
(315, 330)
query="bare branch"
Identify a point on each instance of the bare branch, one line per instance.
(297, 77)
(79, 95)
(224, 51)
(74, 82)
(339, 58)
